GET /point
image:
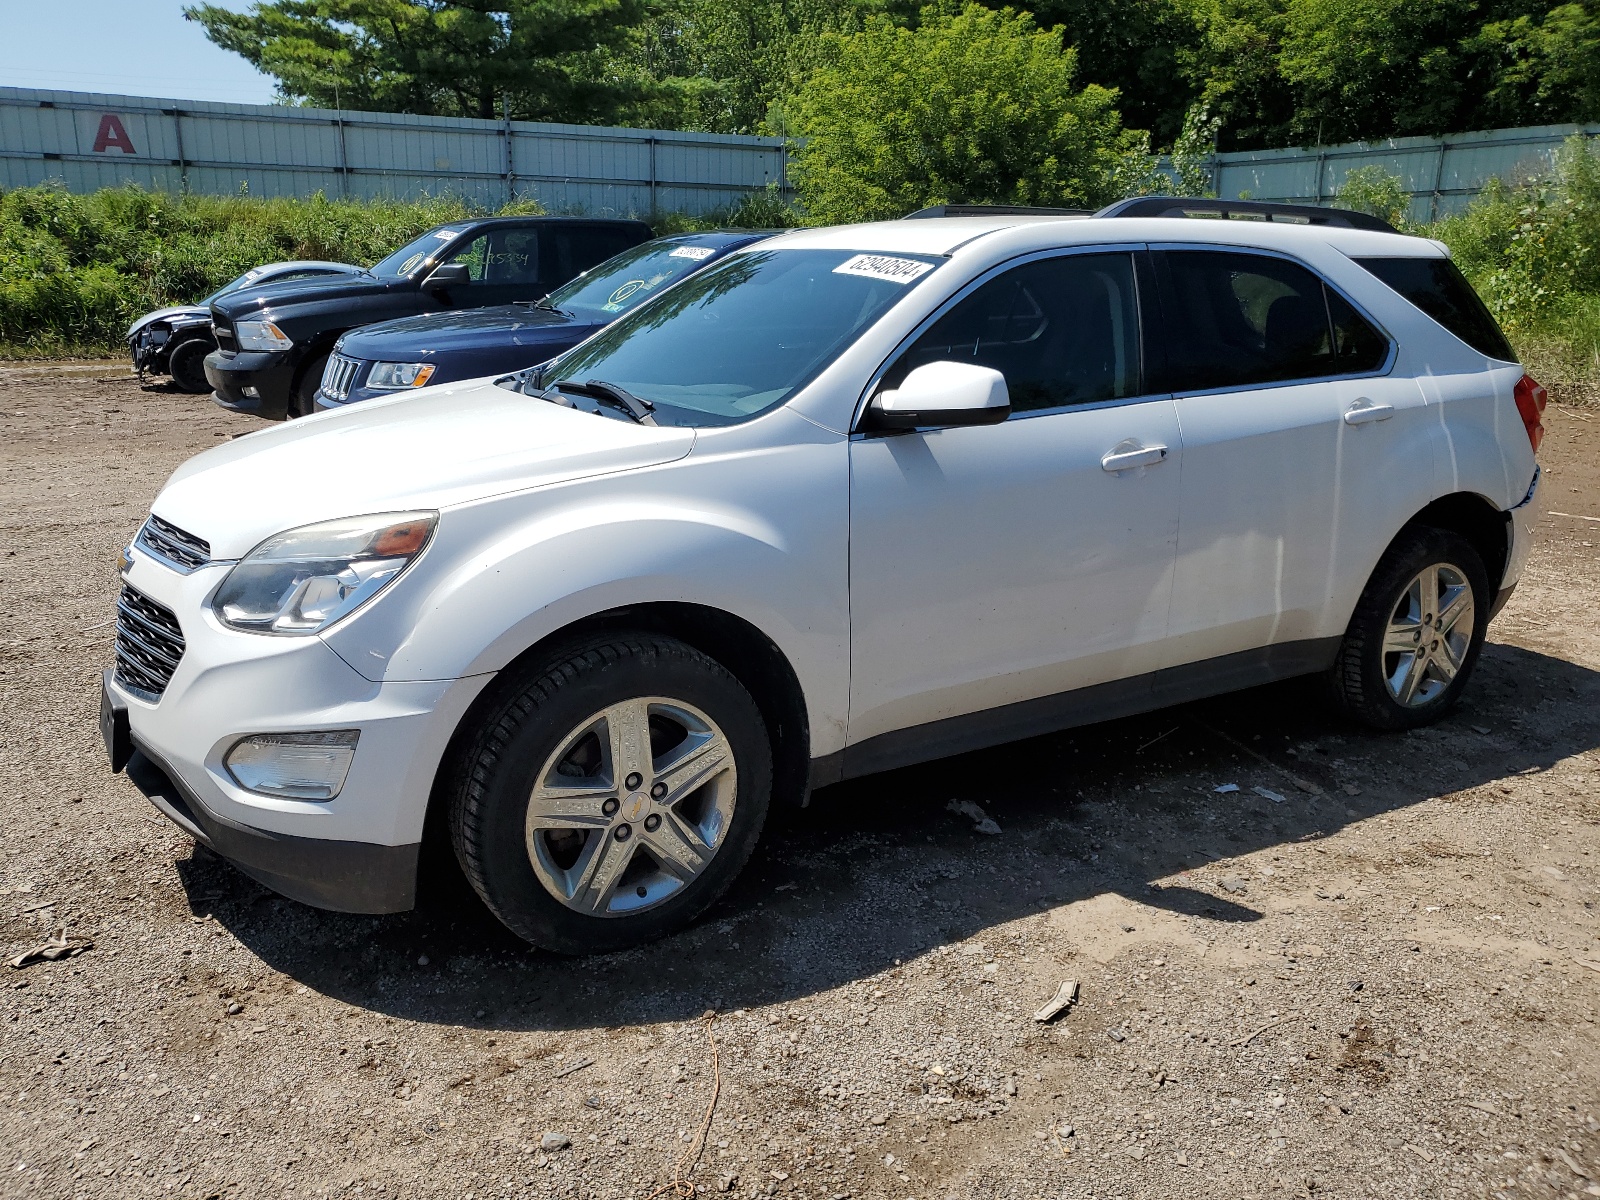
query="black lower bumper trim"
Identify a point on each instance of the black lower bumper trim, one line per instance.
(1502, 597)
(356, 877)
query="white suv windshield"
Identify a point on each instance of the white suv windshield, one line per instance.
(744, 334)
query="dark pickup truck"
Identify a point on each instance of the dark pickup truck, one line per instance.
(273, 341)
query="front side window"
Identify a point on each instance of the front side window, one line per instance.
(1239, 320)
(1063, 331)
(744, 334)
(1438, 288)
(630, 278)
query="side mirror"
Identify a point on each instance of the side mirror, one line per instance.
(943, 393)
(450, 275)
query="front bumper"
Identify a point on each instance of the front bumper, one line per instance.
(269, 372)
(358, 877)
(356, 852)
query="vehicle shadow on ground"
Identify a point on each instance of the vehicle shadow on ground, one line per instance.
(878, 870)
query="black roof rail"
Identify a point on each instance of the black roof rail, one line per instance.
(1244, 210)
(994, 210)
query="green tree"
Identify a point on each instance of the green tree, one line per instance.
(462, 58)
(977, 106)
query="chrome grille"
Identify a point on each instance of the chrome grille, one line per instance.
(177, 548)
(149, 643)
(339, 375)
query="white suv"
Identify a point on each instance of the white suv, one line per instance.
(854, 498)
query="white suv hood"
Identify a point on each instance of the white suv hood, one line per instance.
(429, 449)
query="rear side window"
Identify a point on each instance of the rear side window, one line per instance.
(1438, 288)
(577, 248)
(1062, 331)
(1238, 320)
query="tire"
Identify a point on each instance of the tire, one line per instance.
(187, 365)
(577, 855)
(303, 402)
(1376, 678)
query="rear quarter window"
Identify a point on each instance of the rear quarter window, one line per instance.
(1438, 288)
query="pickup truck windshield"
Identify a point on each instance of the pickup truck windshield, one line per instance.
(413, 254)
(627, 280)
(744, 334)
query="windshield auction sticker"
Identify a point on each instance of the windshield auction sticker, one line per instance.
(694, 252)
(878, 266)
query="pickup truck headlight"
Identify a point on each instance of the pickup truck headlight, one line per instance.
(394, 376)
(261, 335)
(303, 580)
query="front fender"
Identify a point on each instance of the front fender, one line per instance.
(759, 531)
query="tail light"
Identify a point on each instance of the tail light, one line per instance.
(1531, 399)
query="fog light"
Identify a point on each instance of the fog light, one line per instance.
(300, 766)
(251, 392)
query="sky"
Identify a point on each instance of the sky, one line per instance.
(127, 47)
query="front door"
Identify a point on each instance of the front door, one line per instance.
(1001, 565)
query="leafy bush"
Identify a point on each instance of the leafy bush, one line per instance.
(76, 269)
(1371, 190)
(972, 106)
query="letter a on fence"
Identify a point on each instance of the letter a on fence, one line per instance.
(112, 134)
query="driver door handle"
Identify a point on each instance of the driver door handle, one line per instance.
(1364, 411)
(1124, 457)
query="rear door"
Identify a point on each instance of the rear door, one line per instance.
(1291, 430)
(1003, 564)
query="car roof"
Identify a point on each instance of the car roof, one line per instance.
(944, 236)
(307, 264)
(538, 220)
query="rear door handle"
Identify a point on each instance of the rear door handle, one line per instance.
(1127, 455)
(1364, 411)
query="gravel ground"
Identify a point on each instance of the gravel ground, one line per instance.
(1373, 970)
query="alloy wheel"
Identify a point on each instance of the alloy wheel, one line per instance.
(631, 806)
(1428, 635)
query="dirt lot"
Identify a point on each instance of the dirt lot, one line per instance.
(1380, 980)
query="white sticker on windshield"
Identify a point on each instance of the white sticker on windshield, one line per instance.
(694, 252)
(878, 266)
(444, 235)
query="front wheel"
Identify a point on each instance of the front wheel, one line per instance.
(611, 794)
(1416, 633)
(187, 365)
(303, 400)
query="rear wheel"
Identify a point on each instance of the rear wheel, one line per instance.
(187, 364)
(1416, 633)
(612, 794)
(304, 400)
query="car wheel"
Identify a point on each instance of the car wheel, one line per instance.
(187, 365)
(611, 793)
(1416, 633)
(304, 401)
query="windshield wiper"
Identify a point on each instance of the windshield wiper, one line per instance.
(544, 303)
(609, 393)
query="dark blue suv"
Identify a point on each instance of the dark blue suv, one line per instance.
(413, 352)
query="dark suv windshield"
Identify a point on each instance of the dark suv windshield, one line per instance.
(627, 280)
(744, 334)
(414, 253)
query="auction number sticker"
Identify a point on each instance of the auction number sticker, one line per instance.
(878, 266)
(694, 252)
(444, 235)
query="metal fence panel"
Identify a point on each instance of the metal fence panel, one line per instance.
(88, 141)
(1441, 174)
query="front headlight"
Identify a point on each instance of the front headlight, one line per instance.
(261, 335)
(393, 376)
(303, 580)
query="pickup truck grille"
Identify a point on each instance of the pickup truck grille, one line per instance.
(339, 376)
(179, 549)
(222, 330)
(149, 643)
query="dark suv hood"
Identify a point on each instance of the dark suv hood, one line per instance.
(318, 291)
(412, 338)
